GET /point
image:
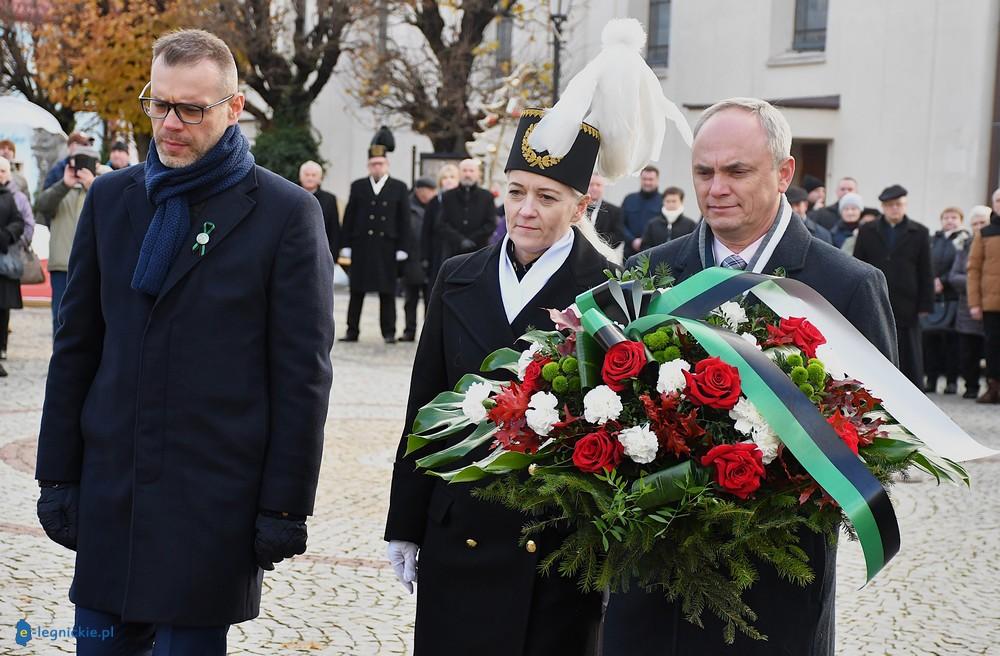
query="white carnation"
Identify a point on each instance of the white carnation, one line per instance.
(472, 404)
(640, 443)
(750, 422)
(601, 405)
(525, 359)
(733, 313)
(752, 340)
(542, 413)
(671, 377)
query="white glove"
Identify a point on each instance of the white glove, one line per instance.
(403, 558)
(345, 252)
(401, 256)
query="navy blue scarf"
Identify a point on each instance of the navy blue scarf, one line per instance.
(222, 167)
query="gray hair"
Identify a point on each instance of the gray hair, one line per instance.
(980, 210)
(309, 164)
(779, 134)
(189, 47)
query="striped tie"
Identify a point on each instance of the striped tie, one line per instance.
(733, 262)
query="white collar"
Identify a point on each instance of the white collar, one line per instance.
(516, 293)
(377, 185)
(720, 251)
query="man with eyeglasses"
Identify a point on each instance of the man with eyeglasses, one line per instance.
(188, 388)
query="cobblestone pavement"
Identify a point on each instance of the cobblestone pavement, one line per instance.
(940, 596)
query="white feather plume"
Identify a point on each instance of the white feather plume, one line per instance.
(621, 96)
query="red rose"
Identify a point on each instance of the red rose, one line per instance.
(847, 431)
(714, 383)
(797, 331)
(738, 467)
(597, 451)
(533, 374)
(624, 360)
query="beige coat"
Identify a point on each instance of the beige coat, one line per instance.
(983, 282)
(59, 207)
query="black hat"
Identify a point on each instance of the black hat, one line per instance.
(119, 145)
(573, 169)
(382, 143)
(811, 182)
(892, 192)
(796, 195)
(426, 183)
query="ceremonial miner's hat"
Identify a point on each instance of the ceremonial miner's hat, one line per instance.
(382, 143)
(612, 113)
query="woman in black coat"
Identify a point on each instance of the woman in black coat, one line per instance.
(11, 228)
(478, 590)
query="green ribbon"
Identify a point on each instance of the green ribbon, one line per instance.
(796, 421)
(206, 230)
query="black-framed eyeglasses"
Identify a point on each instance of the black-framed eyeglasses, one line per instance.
(186, 112)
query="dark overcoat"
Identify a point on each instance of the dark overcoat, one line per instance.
(483, 597)
(11, 229)
(660, 231)
(375, 227)
(183, 415)
(609, 224)
(466, 213)
(798, 621)
(907, 266)
(331, 219)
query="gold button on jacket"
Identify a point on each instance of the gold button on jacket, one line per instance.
(531, 547)
(470, 543)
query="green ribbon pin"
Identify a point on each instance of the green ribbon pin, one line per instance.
(203, 237)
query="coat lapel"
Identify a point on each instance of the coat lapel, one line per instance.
(792, 250)
(225, 210)
(473, 296)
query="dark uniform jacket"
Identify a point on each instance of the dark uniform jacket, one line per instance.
(827, 217)
(906, 265)
(478, 591)
(414, 271)
(182, 416)
(798, 621)
(609, 223)
(660, 231)
(375, 227)
(466, 213)
(11, 228)
(331, 219)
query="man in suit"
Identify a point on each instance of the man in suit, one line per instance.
(310, 178)
(639, 207)
(740, 181)
(606, 217)
(189, 383)
(671, 223)
(901, 248)
(468, 217)
(374, 237)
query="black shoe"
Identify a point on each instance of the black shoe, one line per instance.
(950, 388)
(971, 393)
(389, 340)
(3, 372)
(407, 337)
(348, 338)
(931, 386)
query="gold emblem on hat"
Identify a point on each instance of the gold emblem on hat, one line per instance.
(533, 158)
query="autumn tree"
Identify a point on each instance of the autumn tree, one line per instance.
(20, 27)
(436, 67)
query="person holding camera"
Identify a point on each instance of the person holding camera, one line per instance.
(59, 207)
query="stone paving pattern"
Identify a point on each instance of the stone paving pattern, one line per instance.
(940, 596)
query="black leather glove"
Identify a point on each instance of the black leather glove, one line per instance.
(58, 505)
(468, 245)
(278, 537)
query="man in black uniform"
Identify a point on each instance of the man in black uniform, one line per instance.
(468, 216)
(373, 236)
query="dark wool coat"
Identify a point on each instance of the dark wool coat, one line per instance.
(331, 219)
(798, 621)
(484, 598)
(182, 416)
(11, 229)
(660, 231)
(374, 228)
(610, 224)
(466, 213)
(907, 266)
